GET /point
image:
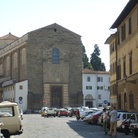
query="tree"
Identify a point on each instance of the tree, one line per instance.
(95, 60)
(85, 60)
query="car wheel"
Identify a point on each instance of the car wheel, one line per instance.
(135, 133)
(6, 134)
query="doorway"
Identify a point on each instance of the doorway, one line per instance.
(56, 96)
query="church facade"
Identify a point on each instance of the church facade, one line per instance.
(49, 59)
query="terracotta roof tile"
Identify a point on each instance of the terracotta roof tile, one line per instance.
(88, 71)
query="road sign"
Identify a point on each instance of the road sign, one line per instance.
(44, 100)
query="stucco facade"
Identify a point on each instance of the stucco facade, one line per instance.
(124, 59)
(96, 88)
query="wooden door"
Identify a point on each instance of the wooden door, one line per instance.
(56, 96)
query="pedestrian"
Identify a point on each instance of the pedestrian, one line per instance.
(105, 116)
(113, 121)
(77, 114)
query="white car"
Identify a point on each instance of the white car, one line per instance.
(88, 117)
(122, 116)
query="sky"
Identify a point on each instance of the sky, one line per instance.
(91, 19)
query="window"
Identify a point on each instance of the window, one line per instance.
(99, 79)
(55, 56)
(20, 87)
(129, 26)
(6, 112)
(1, 69)
(23, 56)
(123, 32)
(8, 66)
(88, 87)
(15, 60)
(99, 87)
(118, 37)
(130, 63)
(137, 17)
(88, 79)
(119, 70)
(131, 101)
(124, 66)
(99, 96)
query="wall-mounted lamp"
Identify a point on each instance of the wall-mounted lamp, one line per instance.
(130, 81)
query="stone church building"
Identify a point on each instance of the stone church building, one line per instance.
(49, 59)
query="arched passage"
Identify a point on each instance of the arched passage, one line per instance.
(89, 100)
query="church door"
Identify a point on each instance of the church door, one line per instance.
(56, 96)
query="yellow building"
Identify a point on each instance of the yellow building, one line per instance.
(124, 59)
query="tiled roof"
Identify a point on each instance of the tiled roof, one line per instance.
(88, 71)
(9, 37)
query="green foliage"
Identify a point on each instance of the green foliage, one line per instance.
(95, 60)
(85, 60)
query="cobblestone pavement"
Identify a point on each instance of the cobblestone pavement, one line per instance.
(36, 126)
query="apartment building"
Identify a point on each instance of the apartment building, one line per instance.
(96, 88)
(124, 58)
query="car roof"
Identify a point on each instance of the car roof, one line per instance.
(7, 103)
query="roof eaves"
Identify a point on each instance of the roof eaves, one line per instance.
(130, 5)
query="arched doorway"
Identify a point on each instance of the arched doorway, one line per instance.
(89, 100)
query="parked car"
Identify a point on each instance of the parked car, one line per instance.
(122, 116)
(87, 118)
(50, 112)
(63, 112)
(70, 112)
(95, 117)
(134, 128)
(85, 113)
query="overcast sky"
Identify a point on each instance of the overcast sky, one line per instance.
(91, 19)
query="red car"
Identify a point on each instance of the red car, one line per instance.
(95, 116)
(63, 112)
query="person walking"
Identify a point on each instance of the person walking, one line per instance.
(113, 122)
(105, 116)
(77, 114)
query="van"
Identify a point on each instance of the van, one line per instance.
(11, 119)
(122, 116)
